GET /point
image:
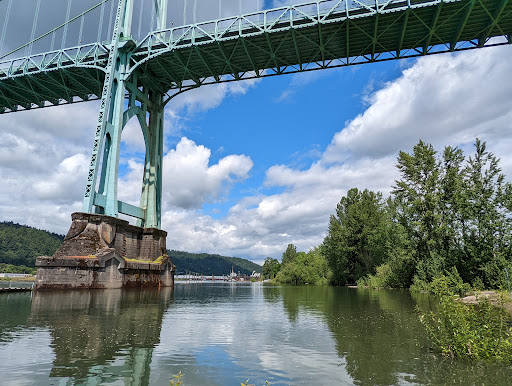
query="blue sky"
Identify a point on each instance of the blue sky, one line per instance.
(286, 120)
(250, 167)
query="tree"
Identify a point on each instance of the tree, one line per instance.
(418, 193)
(270, 268)
(356, 240)
(487, 222)
(306, 268)
(455, 214)
(289, 255)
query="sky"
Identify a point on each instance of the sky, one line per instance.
(253, 166)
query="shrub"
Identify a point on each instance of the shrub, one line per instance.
(475, 331)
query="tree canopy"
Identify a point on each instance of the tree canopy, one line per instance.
(448, 215)
(21, 245)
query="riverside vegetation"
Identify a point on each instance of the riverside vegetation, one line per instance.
(445, 229)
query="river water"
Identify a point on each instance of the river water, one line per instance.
(224, 334)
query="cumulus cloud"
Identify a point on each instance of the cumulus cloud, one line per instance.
(189, 180)
(449, 98)
(65, 183)
(208, 97)
(44, 156)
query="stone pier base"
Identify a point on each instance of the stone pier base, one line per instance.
(105, 252)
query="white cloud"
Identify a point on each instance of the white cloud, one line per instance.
(43, 164)
(450, 98)
(132, 136)
(189, 180)
(210, 96)
(65, 184)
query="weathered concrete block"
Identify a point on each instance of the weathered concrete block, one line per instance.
(105, 252)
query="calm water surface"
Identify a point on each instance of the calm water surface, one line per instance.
(222, 334)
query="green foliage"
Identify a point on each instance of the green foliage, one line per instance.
(357, 239)
(177, 379)
(419, 193)
(475, 331)
(447, 214)
(9, 268)
(270, 268)
(486, 234)
(21, 245)
(208, 264)
(289, 255)
(449, 282)
(305, 268)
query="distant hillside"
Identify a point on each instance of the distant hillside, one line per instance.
(211, 264)
(20, 244)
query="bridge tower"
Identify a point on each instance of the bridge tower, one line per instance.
(147, 105)
(108, 251)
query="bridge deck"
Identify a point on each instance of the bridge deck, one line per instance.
(290, 39)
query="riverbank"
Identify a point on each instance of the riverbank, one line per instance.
(28, 279)
(499, 299)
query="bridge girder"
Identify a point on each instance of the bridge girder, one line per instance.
(274, 42)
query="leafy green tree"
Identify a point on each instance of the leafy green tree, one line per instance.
(447, 214)
(306, 268)
(418, 193)
(486, 219)
(356, 241)
(289, 255)
(456, 213)
(9, 268)
(270, 268)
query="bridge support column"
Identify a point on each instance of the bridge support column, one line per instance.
(151, 198)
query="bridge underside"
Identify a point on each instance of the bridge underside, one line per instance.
(287, 40)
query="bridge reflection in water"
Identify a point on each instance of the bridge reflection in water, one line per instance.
(102, 336)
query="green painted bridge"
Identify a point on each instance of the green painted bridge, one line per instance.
(137, 78)
(310, 36)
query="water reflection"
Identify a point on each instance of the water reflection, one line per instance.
(380, 339)
(15, 310)
(222, 334)
(102, 336)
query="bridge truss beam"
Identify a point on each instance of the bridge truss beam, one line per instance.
(310, 36)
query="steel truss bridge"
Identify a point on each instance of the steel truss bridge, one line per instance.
(137, 78)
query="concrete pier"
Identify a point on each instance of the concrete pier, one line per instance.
(105, 252)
